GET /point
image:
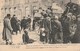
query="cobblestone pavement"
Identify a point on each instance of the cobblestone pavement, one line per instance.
(17, 39)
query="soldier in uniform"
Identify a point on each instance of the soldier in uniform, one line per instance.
(14, 23)
(45, 26)
(66, 24)
(56, 31)
(7, 30)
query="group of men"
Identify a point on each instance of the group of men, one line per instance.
(55, 29)
(12, 26)
(59, 30)
(52, 28)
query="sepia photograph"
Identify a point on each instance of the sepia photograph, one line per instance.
(39, 22)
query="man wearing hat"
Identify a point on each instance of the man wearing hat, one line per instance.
(66, 24)
(7, 30)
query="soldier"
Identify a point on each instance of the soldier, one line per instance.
(45, 24)
(76, 36)
(56, 31)
(7, 30)
(66, 24)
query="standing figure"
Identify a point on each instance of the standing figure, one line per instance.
(76, 37)
(7, 30)
(56, 31)
(14, 23)
(45, 24)
(72, 26)
(66, 24)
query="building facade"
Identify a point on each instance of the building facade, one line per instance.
(19, 7)
(23, 8)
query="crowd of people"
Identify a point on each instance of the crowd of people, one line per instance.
(13, 26)
(52, 28)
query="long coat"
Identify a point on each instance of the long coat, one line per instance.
(56, 32)
(14, 24)
(46, 25)
(66, 31)
(7, 30)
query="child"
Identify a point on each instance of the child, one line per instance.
(25, 37)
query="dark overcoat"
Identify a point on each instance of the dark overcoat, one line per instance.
(14, 24)
(66, 29)
(56, 31)
(46, 25)
(24, 23)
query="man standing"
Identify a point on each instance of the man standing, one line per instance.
(7, 30)
(14, 23)
(45, 24)
(56, 31)
(66, 24)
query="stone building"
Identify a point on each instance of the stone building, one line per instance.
(19, 7)
(25, 7)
